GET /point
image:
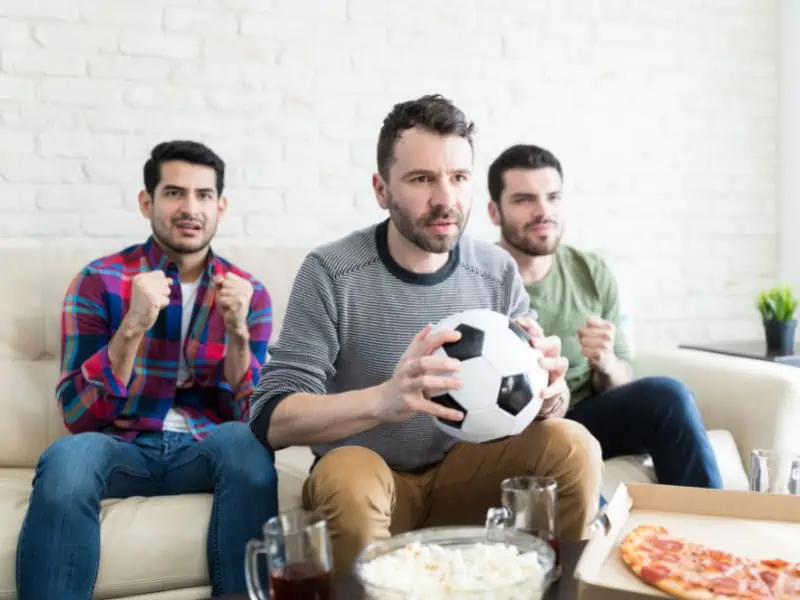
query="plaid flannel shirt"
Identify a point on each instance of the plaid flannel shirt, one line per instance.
(92, 398)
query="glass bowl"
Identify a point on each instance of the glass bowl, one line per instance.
(496, 585)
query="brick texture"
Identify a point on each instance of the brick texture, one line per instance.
(664, 113)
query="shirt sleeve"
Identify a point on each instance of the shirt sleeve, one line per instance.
(90, 396)
(612, 311)
(303, 359)
(234, 400)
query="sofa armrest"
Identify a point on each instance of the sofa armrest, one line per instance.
(757, 401)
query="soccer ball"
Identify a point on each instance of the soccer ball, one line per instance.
(501, 380)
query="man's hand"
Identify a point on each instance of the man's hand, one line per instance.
(417, 377)
(149, 294)
(555, 397)
(233, 302)
(596, 338)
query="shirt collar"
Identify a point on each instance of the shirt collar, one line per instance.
(158, 259)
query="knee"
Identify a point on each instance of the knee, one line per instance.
(351, 477)
(573, 447)
(240, 456)
(669, 397)
(72, 466)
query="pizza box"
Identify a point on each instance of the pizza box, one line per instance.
(750, 524)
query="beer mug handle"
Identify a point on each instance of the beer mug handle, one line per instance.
(497, 518)
(251, 552)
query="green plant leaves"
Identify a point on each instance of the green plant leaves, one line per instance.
(777, 304)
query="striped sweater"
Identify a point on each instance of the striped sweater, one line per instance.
(352, 312)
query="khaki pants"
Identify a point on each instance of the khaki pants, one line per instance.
(364, 500)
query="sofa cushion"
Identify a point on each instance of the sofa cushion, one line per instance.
(31, 419)
(639, 468)
(293, 465)
(148, 545)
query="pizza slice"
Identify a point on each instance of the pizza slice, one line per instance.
(693, 571)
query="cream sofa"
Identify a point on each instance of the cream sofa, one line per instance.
(155, 548)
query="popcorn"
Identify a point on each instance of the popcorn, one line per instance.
(435, 572)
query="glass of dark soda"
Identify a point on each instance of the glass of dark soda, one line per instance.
(529, 505)
(299, 559)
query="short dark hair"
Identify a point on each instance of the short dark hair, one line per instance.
(432, 112)
(519, 156)
(185, 150)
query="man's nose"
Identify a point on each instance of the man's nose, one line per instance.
(444, 194)
(191, 204)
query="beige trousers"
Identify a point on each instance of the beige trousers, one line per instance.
(364, 500)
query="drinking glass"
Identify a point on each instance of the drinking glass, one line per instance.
(775, 471)
(529, 504)
(299, 559)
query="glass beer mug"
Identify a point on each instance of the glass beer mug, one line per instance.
(299, 558)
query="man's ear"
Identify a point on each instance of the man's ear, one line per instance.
(145, 203)
(222, 206)
(381, 190)
(494, 212)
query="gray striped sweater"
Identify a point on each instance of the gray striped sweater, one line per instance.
(351, 314)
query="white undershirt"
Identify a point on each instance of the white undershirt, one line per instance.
(175, 421)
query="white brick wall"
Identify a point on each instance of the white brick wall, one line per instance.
(663, 111)
(789, 143)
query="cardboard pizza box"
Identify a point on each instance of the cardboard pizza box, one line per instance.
(750, 524)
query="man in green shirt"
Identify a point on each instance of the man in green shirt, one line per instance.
(576, 298)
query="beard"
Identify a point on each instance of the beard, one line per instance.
(416, 230)
(532, 245)
(168, 236)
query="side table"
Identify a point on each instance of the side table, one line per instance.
(747, 349)
(564, 589)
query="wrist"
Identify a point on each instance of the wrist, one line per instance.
(606, 367)
(239, 335)
(376, 398)
(131, 327)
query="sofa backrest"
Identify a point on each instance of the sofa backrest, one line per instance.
(34, 282)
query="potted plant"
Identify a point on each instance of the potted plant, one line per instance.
(778, 308)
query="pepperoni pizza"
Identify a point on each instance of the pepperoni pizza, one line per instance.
(691, 571)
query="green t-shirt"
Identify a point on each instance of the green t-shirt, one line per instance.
(579, 285)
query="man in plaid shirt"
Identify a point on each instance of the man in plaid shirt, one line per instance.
(161, 347)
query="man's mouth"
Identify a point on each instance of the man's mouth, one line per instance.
(188, 226)
(542, 228)
(442, 225)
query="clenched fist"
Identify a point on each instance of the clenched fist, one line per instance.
(233, 301)
(149, 294)
(597, 343)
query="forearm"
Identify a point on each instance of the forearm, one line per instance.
(237, 358)
(615, 375)
(122, 350)
(305, 419)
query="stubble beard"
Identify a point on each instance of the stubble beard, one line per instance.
(416, 233)
(184, 248)
(517, 239)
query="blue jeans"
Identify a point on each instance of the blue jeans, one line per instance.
(655, 415)
(58, 552)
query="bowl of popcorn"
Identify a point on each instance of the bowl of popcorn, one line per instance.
(448, 563)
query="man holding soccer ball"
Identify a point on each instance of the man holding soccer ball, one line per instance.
(353, 371)
(576, 298)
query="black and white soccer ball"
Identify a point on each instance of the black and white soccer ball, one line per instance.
(501, 379)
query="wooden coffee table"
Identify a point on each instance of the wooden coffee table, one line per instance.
(564, 589)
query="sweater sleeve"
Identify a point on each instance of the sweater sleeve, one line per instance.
(519, 302)
(303, 359)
